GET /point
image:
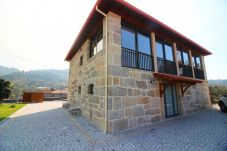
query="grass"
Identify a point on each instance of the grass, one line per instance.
(7, 109)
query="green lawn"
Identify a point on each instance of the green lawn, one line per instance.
(6, 110)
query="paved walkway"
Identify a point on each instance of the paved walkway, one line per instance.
(48, 127)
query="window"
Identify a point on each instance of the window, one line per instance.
(168, 52)
(128, 38)
(164, 50)
(81, 60)
(182, 57)
(186, 58)
(91, 89)
(165, 59)
(96, 43)
(179, 57)
(144, 43)
(136, 49)
(79, 89)
(196, 62)
(159, 49)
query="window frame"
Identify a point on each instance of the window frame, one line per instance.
(163, 43)
(96, 40)
(91, 89)
(195, 61)
(181, 50)
(137, 31)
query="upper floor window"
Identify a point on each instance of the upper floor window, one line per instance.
(136, 49)
(128, 38)
(165, 58)
(164, 51)
(196, 61)
(182, 57)
(96, 43)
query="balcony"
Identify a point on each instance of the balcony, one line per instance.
(199, 73)
(185, 70)
(166, 66)
(134, 59)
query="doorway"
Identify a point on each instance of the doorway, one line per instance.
(170, 98)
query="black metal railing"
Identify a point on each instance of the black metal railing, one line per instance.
(185, 70)
(134, 59)
(166, 66)
(199, 73)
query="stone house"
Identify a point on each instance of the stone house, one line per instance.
(127, 69)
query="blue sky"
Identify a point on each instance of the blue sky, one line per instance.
(37, 34)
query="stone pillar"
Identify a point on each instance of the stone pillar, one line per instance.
(190, 59)
(114, 61)
(175, 57)
(154, 52)
(203, 66)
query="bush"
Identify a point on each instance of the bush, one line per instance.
(12, 106)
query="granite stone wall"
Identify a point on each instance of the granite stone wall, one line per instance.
(91, 72)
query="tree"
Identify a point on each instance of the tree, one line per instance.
(5, 89)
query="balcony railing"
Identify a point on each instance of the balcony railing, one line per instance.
(185, 70)
(134, 59)
(166, 66)
(199, 73)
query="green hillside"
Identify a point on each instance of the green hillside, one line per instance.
(6, 70)
(31, 80)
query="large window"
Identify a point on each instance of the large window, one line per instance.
(165, 59)
(182, 57)
(199, 73)
(96, 43)
(196, 61)
(136, 49)
(128, 38)
(184, 63)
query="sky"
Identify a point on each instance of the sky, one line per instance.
(37, 34)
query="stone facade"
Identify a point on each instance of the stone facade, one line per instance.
(90, 72)
(133, 100)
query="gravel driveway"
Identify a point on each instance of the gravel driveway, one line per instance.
(48, 127)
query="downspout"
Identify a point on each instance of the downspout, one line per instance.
(106, 70)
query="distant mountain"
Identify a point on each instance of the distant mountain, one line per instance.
(31, 80)
(218, 82)
(6, 70)
(39, 78)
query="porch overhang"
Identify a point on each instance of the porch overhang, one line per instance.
(168, 79)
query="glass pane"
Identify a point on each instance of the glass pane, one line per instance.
(128, 38)
(100, 45)
(175, 99)
(179, 59)
(144, 44)
(186, 58)
(161, 66)
(169, 52)
(198, 63)
(159, 49)
(169, 101)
